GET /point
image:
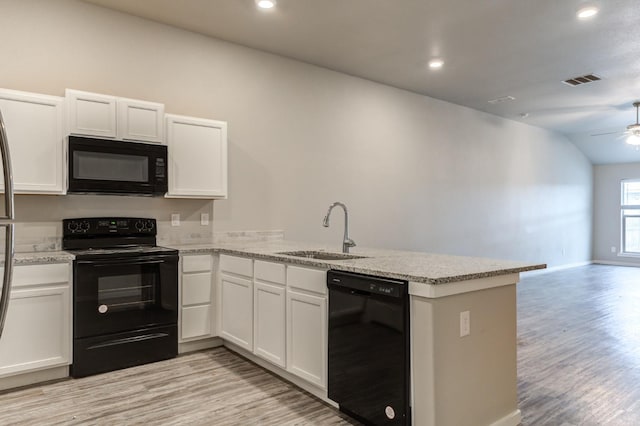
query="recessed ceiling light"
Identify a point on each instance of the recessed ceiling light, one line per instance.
(587, 12)
(436, 64)
(266, 4)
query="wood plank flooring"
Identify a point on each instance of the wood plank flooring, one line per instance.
(213, 387)
(579, 347)
(578, 365)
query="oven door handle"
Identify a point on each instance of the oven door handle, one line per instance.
(121, 262)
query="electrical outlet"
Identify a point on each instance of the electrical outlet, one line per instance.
(613, 249)
(175, 219)
(204, 219)
(465, 323)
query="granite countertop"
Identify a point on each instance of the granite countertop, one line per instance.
(41, 257)
(417, 267)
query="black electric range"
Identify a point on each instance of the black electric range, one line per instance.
(125, 294)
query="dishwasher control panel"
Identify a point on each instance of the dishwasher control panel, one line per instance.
(364, 283)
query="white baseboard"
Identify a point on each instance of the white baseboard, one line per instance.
(512, 419)
(34, 377)
(198, 345)
(301, 383)
(616, 263)
(556, 268)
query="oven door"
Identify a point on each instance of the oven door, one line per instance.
(124, 293)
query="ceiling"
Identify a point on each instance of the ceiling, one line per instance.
(491, 49)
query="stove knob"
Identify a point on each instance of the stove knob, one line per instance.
(72, 226)
(150, 225)
(139, 225)
(85, 226)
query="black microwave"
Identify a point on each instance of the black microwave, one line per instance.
(100, 166)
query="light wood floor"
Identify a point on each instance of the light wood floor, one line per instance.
(213, 387)
(579, 347)
(578, 365)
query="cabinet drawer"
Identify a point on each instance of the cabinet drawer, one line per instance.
(236, 265)
(307, 279)
(199, 263)
(196, 288)
(269, 271)
(53, 273)
(196, 322)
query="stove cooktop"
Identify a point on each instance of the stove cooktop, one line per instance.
(121, 251)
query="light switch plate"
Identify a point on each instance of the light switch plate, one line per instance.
(204, 219)
(175, 219)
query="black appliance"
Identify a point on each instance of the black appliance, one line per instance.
(99, 166)
(369, 375)
(125, 294)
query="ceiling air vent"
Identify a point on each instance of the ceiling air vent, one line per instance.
(583, 79)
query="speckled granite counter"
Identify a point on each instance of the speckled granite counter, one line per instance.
(41, 257)
(416, 267)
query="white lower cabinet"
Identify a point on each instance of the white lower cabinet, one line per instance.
(237, 310)
(37, 332)
(270, 322)
(196, 298)
(307, 336)
(278, 312)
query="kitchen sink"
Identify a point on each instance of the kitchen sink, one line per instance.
(321, 255)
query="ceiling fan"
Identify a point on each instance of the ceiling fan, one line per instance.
(633, 130)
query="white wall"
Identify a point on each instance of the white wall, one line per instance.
(416, 173)
(606, 211)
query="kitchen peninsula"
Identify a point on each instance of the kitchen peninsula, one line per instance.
(458, 377)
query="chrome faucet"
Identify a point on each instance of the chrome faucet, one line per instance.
(347, 242)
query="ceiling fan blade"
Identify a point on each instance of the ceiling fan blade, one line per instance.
(608, 133)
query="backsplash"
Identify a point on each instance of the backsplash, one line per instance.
(39, 217)
(247, 236)
(39, 220)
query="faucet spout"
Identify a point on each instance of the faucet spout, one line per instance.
(346, 241)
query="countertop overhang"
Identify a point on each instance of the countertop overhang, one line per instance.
(416, 267)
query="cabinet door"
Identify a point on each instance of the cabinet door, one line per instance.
(195, 322)
(37, 331)
(91, 114)
(307, 337)
(140, 120)
(197, 157)
(269, 322)
(34, 127)
(196, 288)
(236, 296)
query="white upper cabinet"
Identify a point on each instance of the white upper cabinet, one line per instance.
(197, 157)
(140, 120)
(34, 126)
(93, 114)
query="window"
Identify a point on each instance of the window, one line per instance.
(630, 207)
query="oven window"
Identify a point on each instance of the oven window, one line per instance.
(108, 166)
(127, 292)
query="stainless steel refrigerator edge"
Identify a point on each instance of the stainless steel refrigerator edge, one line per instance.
(6, 221)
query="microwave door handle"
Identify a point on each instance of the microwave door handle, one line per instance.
(8, 274)
(8, 174)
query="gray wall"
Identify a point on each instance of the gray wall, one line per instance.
(417, 173)
(606, 211)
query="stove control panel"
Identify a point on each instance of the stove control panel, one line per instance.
(121, 226)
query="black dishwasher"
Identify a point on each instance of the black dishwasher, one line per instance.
(369, 347)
